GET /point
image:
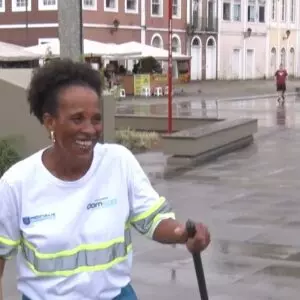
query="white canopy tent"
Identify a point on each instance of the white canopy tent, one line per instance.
(90, 48)
(14, 53)
(146, 51)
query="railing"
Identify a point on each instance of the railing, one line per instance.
(209, 24)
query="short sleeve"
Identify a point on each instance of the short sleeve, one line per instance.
(148, 208)
(9, 228)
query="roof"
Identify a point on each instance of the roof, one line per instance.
(11, 52)
(146, 51)
(90, 48)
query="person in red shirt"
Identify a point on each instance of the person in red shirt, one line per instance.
(280, 77)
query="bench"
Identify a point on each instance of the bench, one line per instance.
(206, 142)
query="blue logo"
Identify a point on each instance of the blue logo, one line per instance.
(38, 218)
(102, 203)
(26, 221)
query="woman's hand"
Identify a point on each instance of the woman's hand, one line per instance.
(199, 242)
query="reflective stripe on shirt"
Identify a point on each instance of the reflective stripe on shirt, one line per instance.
(7, 247)
(92, 257)
(160, 210)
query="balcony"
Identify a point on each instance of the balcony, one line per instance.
(209, 24)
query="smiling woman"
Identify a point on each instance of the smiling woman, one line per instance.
(64, 96)
(71, 206)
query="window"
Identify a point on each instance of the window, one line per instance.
(89, 4)
(292, 12)
(251, 11)
(111, 5)
(283, 10)
(47, 4)
(261, 14)
(2, 5)
(283, 57)
(176, 9)
(156, 8)
(274, 10)
(226, 11)
(237, 10)
(131, 6)
(176, 44)
(21, 5)
(157, 41)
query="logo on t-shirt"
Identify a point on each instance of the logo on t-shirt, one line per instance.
(39, 218)
(102, 203)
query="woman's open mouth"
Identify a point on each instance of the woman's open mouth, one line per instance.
(84, 145)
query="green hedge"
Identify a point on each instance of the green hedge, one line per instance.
(8, 155)
(136, 141)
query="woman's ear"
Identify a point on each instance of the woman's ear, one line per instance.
(49, 122)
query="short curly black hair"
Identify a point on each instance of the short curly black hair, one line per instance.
(48, 80)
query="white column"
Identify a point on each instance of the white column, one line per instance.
(278, 25)
(220, 18)
(297, 52)
(188, 10)
(268, 12)
(244, 16)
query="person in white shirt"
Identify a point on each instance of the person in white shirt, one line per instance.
(69, 208)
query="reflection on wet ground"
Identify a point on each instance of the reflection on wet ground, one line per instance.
(267, 111)
(250, 201)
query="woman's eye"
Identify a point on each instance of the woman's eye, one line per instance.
(97, 119)
(77, 119)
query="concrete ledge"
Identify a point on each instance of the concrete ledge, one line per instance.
(211, 154)
(202, 143)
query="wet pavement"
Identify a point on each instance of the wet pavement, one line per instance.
(249, 199)
(212, 89)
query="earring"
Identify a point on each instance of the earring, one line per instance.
(52, 136)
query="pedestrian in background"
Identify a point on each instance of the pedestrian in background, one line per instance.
(281, 77)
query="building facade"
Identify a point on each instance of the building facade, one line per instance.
(283, 36)
(29, 22)
(202, 41)
(243, 39)
(255, 36)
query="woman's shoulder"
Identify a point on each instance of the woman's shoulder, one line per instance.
(22, 169)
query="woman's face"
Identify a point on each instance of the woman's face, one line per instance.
(77, 125)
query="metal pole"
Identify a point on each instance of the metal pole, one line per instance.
(170, 75)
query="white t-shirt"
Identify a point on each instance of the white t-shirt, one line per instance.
(75, 236)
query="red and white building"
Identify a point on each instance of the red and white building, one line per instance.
(195, 30)
(114, 21)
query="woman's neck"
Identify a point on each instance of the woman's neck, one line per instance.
(65, 167)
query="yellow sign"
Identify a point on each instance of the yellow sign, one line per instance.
(141, 81)
(160, 78)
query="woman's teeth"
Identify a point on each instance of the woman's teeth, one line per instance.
(84, 144)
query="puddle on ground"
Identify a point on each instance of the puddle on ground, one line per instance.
(256, 221)
(281, 271)
(251, 249)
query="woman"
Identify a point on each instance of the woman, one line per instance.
(70, 206)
